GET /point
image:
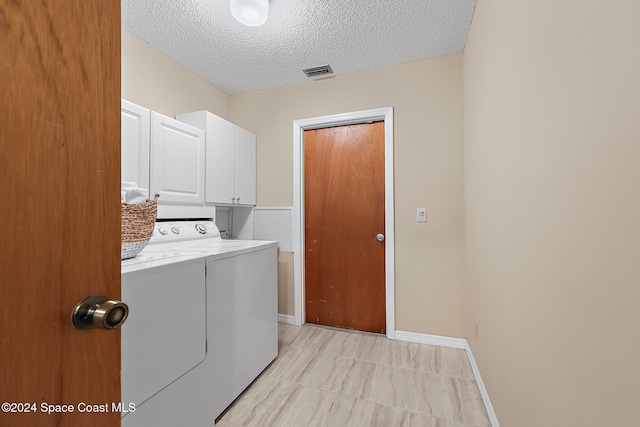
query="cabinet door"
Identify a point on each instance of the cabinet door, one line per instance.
(135, 144)
(245, 166)
(220, 159)
(177, 161)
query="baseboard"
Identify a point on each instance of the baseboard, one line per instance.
(439, 340)
(286, 318)
(483, 390)
(461, 344)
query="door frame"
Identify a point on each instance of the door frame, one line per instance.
(358, 117)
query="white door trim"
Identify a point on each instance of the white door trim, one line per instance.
(299, 126)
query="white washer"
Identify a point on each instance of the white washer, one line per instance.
(241, 323)
(165, 333)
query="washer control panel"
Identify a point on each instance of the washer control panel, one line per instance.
(174, 231)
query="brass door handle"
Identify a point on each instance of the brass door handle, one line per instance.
(97, 311)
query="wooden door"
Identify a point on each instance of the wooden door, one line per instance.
(59, 169)
(344, 211)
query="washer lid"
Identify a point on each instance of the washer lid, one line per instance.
(160, 260)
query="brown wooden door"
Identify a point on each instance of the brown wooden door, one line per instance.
(59, 174)
(344, 211)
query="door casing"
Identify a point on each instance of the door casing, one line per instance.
(299, 126)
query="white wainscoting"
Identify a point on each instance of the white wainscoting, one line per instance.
(273, 224)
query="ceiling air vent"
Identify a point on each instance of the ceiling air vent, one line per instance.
(320, 71)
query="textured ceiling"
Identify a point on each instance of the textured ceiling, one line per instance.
(349, 35)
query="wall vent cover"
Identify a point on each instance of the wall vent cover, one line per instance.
(322, 70)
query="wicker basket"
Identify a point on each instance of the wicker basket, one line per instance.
(137, 227)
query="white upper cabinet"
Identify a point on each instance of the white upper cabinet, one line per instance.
(245, 166)
(231, 159)
(135, 144)
(177, 161)
(220, 160)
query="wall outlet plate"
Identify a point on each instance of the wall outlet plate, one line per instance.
(421, 215)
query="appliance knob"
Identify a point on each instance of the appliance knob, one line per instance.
(163, 231)
(99, 312)
(175, 230)
(201, 228)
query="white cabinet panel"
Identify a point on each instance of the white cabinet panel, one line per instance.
(231, 159)
(135, 144)
(177, 161)
(245, 166)
(220, 160)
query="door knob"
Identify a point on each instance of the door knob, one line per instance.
(380, 237)
(99, 312)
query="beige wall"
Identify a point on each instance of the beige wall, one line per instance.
(552, 144)
(285, 283)
(427, 100)
(155, 81)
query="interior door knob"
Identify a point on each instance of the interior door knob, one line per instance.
(380, 237)
(99, 312)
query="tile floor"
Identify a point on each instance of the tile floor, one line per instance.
(328, 377)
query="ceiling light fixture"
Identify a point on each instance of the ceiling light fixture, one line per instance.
(250, 12)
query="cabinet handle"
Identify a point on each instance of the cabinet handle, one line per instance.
(238, 200)
(233, 200)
